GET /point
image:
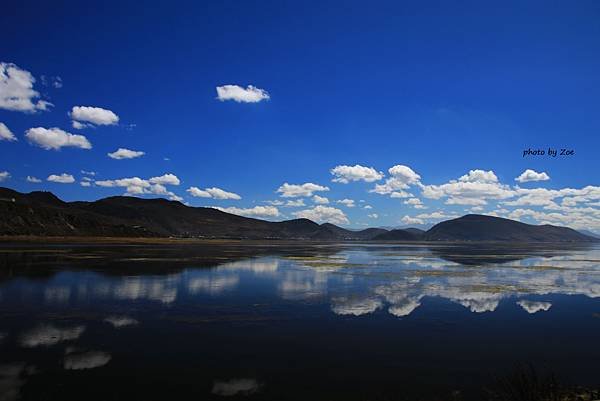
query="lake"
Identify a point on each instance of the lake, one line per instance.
(292, 321)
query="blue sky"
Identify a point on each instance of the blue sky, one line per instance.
(440, 88)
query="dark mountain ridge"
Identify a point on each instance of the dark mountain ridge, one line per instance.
(43, 214)
(476, 227)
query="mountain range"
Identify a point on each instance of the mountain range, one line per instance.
(43, 214)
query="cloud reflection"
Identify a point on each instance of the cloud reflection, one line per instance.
(48, 335)
(355, 306)
(533, 306)
(121, 321)
(86, 360)
(235, 386)
(12, 378)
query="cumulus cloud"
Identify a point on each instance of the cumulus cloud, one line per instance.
(532, 175)
(33, 179)
(250, 94)
(140, 186)
(123, 153)
(323, 214)
(346, 202)
(344, 174)
(479, 176)
(402, 177)
(256, 211)
(474, 188)
(215, 193)
(297, 191)
(63, 178)
(295, 203)
(94, 115)
(415, 202)
(437, 216)
(373, 215)
(16, 90)
(55, 138)
(166, 179)
(4, 175)
(320, 200)
(6, 134)
(411, 220)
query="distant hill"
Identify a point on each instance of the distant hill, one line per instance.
(589, 233)
(43, 214)
(411, 234)
(475, 227)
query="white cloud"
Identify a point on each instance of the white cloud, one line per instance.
(415, 202)
(166, 179)
(251, 94)
(320, 200)
(295, 203)
(123, 153)
(55, 138)
(367, 207)
(346, 202)
(373, 215)
(216, 193)
(78, 125)
(6, 134)
(439, 215)
(92, 173)
(402, 177)
(345, 174)
(16, 90)
(4, 175)
(256, 211)
(297, 191)
(94, 115)
(85, 183)
(473, 188)
(32, 179)
(64, 178)
(323, 214)
(412, 220)
(479, 176)
(139, 186)
(532, 175)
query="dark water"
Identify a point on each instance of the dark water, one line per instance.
(291, 322)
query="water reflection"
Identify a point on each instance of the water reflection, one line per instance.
(85, 360)
(242, 313)
(48, 335)
(235, 386)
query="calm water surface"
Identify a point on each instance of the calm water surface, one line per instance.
(291, 322)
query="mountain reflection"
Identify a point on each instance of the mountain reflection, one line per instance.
(354, 280)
